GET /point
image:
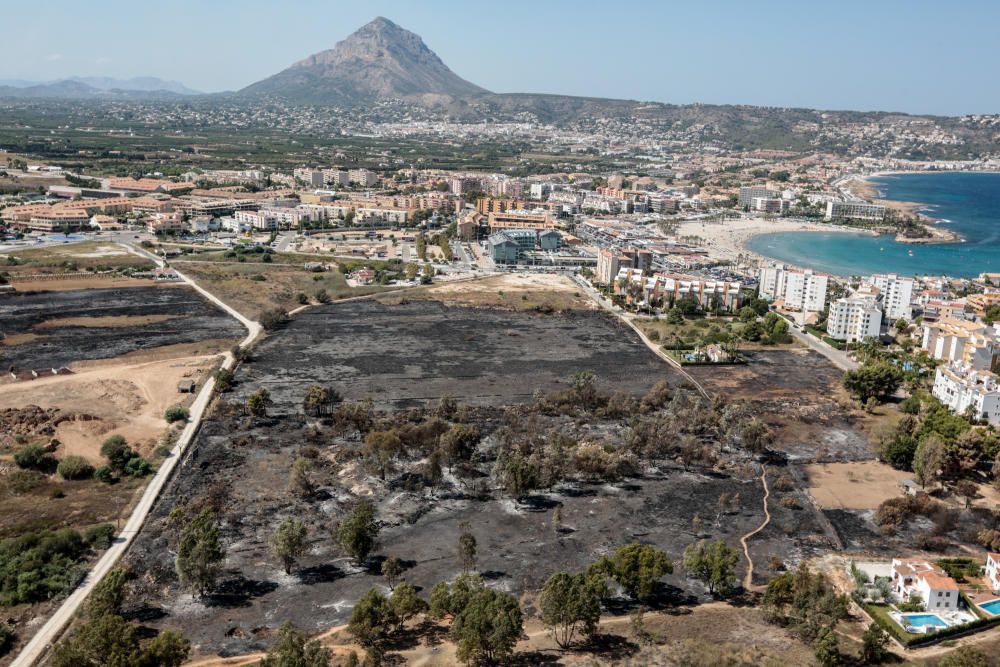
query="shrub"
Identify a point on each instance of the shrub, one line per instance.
(7, 638)
(273, 318)
(33, 457)
(105, 474)
(75, 467)
(176, 414)
(39, 566)
(99, 536)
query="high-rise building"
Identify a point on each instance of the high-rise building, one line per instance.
(802, 289)
(897, 294)
(750, 192)
(855, 318)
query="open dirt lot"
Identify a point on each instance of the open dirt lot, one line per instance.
(406, 355)
(509, 291)
(124, 399)
(75, 325)
(857, 485)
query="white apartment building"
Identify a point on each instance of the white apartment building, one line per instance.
(259, 220)
(750, 192)
(854, 318)
(973, 345)
(965, 389)
(770, 205)
(854, 210)
(363, 177)
(802, 290)
(897, 295)
(311, 177)
(336, 177)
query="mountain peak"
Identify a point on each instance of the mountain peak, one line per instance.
(380, 60)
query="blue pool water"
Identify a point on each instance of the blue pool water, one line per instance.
(969, 201)
(918, 620)
(993, 606)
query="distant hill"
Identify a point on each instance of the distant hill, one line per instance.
(379, 61)
(82, 87)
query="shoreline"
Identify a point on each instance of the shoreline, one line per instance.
(862, 187)
(728, 240)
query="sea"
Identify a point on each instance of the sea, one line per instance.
(967, 203)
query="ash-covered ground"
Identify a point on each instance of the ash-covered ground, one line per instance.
(25, 314)
(634, 456)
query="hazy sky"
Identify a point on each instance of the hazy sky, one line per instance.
(924, 56)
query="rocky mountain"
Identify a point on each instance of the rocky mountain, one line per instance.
(379, 61)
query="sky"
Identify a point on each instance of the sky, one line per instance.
(919, 56)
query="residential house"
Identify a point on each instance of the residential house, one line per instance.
(919, 577)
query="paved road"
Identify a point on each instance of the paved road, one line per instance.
(839, 358)
(53, 628)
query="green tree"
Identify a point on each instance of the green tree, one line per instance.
(34, 457)
(382, 447)
(674, 317)
(877, 380)
(319, 400)
(448, 600)
(392, 569)
(929, 459)
(288, 543)
(487, 628)
(108, 595)
(874, 645)
(291, 649)
(75, 467)
(358, 534)
(570, 603)
(405, 604)
(636, 568)
(200, 553)
(713, 564)
(111, 641)
(827, 648)
(371, 618)
(168, 649)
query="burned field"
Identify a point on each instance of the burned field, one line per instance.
(796, 392)
(406, 355)
(548, 471)
(54, 329)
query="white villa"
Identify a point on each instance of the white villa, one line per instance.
(993, 571)
(919, 577)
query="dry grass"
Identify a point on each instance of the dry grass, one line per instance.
(515, 291)
(73, 257)
(232, 283)
(108, 322)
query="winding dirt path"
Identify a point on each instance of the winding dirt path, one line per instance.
(748, 578)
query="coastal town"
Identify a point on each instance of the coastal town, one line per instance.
(453, 377)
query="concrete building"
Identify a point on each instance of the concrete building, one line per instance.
(311, 177)
(897, 295)
(855, 318)
(854, 210)
(521, 219)
(503, 248)
(363, 177)
(770, 205)
(797, 289)
(666, 289)
(964, 389)
(919, 577)
(970, 344)
(750, 192)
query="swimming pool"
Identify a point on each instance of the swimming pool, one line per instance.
(920, 620)
(993, 607)
(65, 238)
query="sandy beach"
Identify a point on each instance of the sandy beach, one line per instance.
(728, 240)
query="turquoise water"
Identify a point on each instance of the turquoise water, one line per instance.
(993, 606)
(918, 620)
(970, 202)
